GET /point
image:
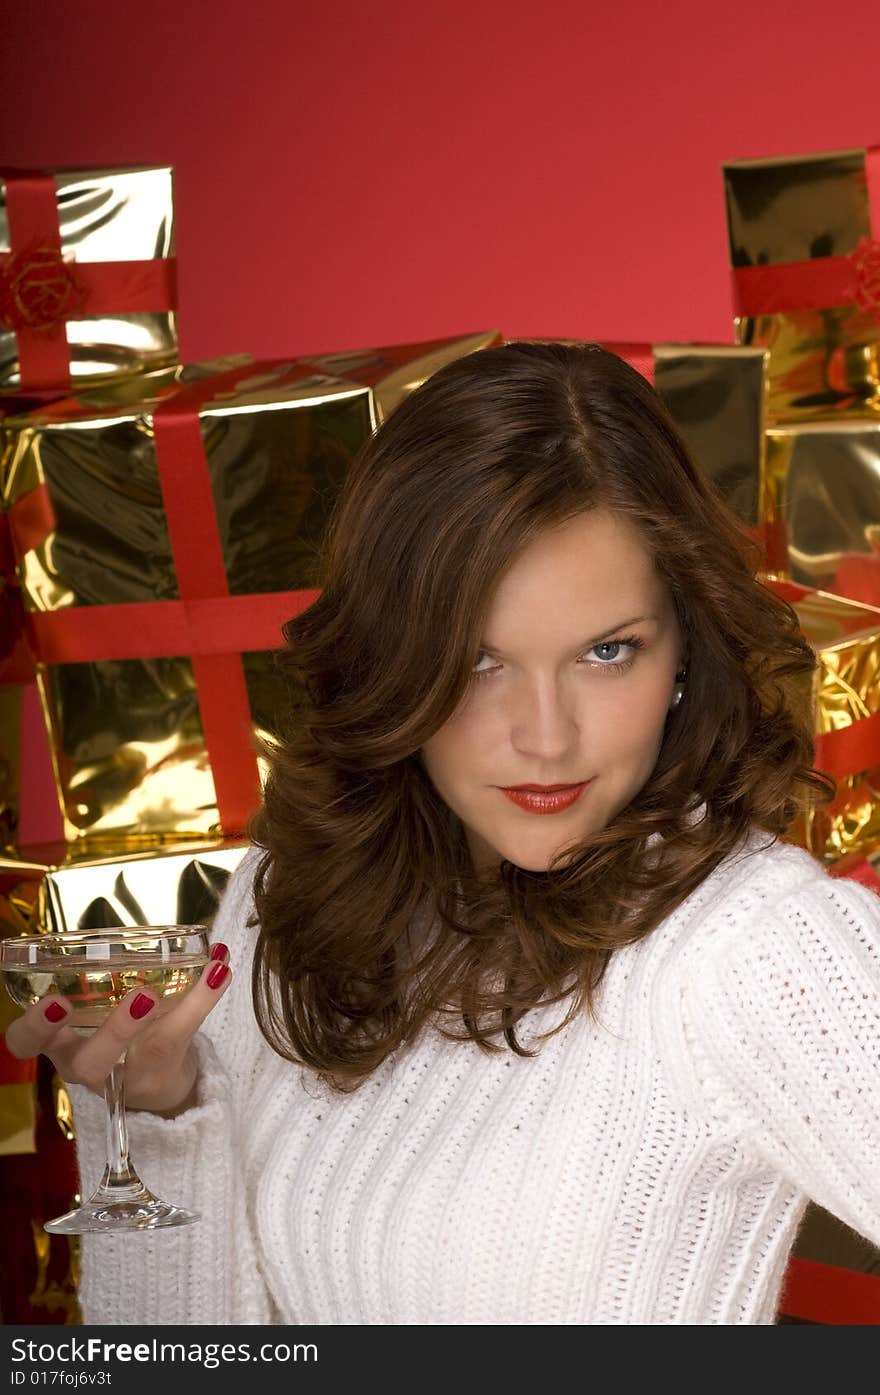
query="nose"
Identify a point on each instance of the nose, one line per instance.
(544, 721)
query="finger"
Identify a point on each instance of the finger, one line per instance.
(100, 1052)
(169, 1038)
(162, 1059)
(43, 1028)
(172, 1035)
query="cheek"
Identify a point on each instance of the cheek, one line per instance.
(628, 714)
(450, 752)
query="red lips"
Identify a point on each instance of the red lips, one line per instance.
(544, 799)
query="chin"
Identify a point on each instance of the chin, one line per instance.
(529, 862)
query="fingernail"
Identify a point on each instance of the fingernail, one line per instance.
(216, 975)
(54, 1012)
(141, 1005)
(220, 951)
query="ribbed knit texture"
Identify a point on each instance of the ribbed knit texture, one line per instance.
(653, 1170)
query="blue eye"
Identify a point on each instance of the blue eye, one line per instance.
(627, 642)
(608, 644)
(617, 645)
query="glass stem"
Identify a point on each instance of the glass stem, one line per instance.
(119, 1175)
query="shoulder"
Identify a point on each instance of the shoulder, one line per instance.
(763, 868)
(773, 901)
(741, 894)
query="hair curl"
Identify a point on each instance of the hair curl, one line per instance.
(358, 844)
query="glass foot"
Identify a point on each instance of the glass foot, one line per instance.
(135, 1209)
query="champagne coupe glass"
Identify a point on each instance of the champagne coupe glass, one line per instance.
(93, 970)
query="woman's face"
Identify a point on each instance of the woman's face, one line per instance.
(558, 697)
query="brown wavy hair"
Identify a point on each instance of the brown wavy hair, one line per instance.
(492, 449)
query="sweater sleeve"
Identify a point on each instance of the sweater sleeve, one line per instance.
(207, 1272)
(782, 1018)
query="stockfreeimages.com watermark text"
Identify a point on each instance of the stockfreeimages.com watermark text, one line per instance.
(97, 1351)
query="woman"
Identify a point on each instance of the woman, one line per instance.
(495, 1054)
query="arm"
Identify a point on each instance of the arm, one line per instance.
(207, 1272)
(783, 1024)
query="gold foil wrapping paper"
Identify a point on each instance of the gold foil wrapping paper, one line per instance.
(716, 395)
(825, 1239)
(107, 216)
(808, 209)
(177, 885)
(128, 737)
(127, 734)
(54, 890)
(13, 746)
(392, 373)
(822, 503)
(845, 699)
(862, 864)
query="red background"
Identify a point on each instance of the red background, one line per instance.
(356, 174)
(359, 174)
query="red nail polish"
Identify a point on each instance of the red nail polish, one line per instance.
(141, 1005)
(216, 975)
(220, 951)
(54, 1012)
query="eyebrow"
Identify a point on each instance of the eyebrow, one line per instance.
(588, 643)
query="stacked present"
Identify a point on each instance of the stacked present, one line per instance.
(786, 422)
(87, 278)
(804, 237)
(717, 397)
(160, 523)
(805, 259)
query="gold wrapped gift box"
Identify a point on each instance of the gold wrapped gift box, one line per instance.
(845, 701)
(717, 396)
(155, 581)
(53, 890)
(393, 372)
(56, 890)
(128, 732)
(805, 257)
(822, 503)
(87, 275)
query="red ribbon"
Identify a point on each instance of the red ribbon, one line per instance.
(214, 631)
(159, 629)
(820, 282)
(772, 535)
(827, 1294)
(12, 1070)
(207, 623)
(17, 663)
(850, 749)
(857, 867)
(22, 527)
(40, 290)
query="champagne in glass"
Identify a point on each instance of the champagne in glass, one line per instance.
(93, 970)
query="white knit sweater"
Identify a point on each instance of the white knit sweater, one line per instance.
(653, 1170)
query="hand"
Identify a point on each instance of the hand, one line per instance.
(161, 1070)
